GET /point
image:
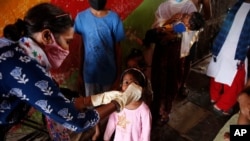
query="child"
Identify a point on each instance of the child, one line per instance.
(134, 121)
(243, 100)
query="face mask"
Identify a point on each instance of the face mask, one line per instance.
(179, 27)
(97, 4)
(55, 53)
(178, 0)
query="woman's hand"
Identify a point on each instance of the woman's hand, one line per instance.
(82, 102)
(79, 103)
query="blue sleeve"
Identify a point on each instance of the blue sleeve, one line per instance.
(28, 81)
(77, 24)
(119, 31)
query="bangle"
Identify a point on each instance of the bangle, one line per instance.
(117, 106)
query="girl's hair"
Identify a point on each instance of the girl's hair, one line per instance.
(40, 17)
(137, 74)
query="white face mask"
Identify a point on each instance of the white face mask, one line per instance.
(55, 53)
(178, 0)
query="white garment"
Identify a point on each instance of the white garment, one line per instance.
(5, 42)
(188, 39)
(171, 7)
(225, 67)
(167, 9)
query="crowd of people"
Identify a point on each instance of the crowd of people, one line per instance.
(131, 100)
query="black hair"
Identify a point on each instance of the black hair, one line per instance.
(98, 4)
(138, 55)
(40, 17)
(196, 21)
(14, 31)
(138, 76)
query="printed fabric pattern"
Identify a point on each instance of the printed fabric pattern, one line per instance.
(24, 80)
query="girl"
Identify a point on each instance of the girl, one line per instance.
(133, 123)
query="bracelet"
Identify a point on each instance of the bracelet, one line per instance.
(117, 106)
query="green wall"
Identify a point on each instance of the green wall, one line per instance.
(137, 23)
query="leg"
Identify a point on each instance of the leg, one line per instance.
(185, 68)
(171, 79)
(230, 94)
(215, 90)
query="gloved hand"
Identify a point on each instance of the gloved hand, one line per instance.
(104, 98)
(132, 93)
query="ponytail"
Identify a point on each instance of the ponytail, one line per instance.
(14, 31)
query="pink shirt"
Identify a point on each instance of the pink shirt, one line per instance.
(130, 125)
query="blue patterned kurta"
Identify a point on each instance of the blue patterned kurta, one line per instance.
(24, 80)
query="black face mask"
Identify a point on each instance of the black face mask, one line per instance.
(97, 4)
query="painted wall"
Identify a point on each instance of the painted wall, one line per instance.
(13, 9)
(137, 15)
(126, 9)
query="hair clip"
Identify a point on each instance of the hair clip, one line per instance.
(63, 15)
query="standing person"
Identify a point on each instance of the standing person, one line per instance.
(228, 65)
(166, 61)
(189, 38)
(101, 35)
(163, 13)
(25, 81)
(133, 123)
(101, 30)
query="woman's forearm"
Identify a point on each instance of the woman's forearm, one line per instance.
(106, 110)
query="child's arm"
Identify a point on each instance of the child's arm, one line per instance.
(146, 125)
(97, 132)
(110, 128)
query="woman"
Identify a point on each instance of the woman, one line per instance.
(45, 34)
(168, 71)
